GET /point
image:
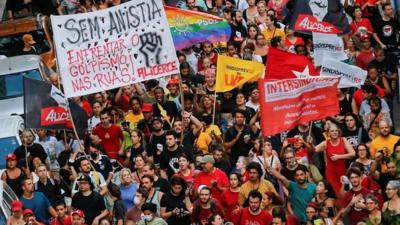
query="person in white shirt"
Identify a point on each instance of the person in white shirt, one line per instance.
(95, 119)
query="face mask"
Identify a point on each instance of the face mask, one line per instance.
(147, 218)
(136, 200)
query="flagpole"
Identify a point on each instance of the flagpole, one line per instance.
(215, 104)
(183, 107)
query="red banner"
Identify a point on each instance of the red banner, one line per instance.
(55, 115)
(310, 24)
(287, 103)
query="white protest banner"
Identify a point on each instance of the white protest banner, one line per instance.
(351, 76)
(111, 48)
(329, 45)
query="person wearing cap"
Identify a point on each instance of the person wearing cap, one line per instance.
(29, 218)
(13, 175)
(36, 202)
(145, 124)
(78, 217)
(213, 177)
(89, 201)
(135, 113)
(29, 43)
(16, 217)
(174, 92)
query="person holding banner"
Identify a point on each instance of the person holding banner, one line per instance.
(337, 150)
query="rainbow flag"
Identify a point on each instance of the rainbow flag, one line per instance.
(191, 27)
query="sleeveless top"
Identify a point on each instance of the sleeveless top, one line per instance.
(154, 199)
(345, 105)
(15, 184)
(331, 150)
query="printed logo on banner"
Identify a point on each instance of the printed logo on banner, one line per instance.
(351, 76)
(311, 24)
(111, 48)
(327, 45)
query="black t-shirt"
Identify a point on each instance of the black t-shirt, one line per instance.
(162, 185)
(91, 205)
(240, 148)
(384, 179)
(35, 150)
(238, 34)
(169, 160)
(169, 106)
(65, 183)
(139, 151)
(157, 146)
(51, 190)
(188, 143)
(289, 174)
(352, 136)
(15, 5)
(386, 31)
(388, 65)
(170, 202)
(103, 166)
(119, 211)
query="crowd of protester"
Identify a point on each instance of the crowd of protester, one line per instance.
(172, 151)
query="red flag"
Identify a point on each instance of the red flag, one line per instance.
(286, 65)
(311, 24)
(287, 103)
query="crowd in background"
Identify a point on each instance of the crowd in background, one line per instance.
(172, 151)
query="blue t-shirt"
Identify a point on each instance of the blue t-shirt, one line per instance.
(128, 194)
(39, 204)
(300, 197)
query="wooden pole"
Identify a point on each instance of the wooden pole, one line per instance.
(215, 105)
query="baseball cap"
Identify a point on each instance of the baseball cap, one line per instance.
(11, 156)
(147, 107)
(156, 118)
(27, 211)
(173, 81)
(84, 178)
(79, 213)
(208, 159)
(16, 206)
(28, 38)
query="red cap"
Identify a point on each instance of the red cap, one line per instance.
(79, 213)
(365, 37)
(147, 107)
(27, 211)
(11, 156)
(16, 206)
(173, 81)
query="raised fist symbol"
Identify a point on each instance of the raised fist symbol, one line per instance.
(319, 8)
(151, 47)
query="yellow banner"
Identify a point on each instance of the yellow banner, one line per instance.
(233, 72)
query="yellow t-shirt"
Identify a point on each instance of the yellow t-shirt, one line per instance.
(214, 128)
(269, 34)
(262, 188)
(383, 143)
(134, 119)
(203, 141)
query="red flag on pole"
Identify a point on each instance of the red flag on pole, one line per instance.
(286, 65)
(287, 103)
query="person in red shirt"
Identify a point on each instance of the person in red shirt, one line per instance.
(208, 52)
(205, 206)
(360, 26)
(62, 217)
(78, 217)
(254, 214)
(353, 199)
(212, 177)
(123, 97)
(112, 139)
(231, 197)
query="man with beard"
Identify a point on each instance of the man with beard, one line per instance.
(352, 199)
(169, 157)
(99, 184)
(254, 214)
(205, 206)
(383, 177)
(100, 162)
(384, 142)
(174, 94)
(112, 139)
(157, 139)
(239, 32)
(301, 192)
(255, 182)
(191, 127)
(373, 118)
(33, 149)
(221, 162)
(164, 108)
(239, 138)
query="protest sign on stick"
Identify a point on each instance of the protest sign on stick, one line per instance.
(286, 103)
(111, 48)
(327, 45)
(351, 76)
